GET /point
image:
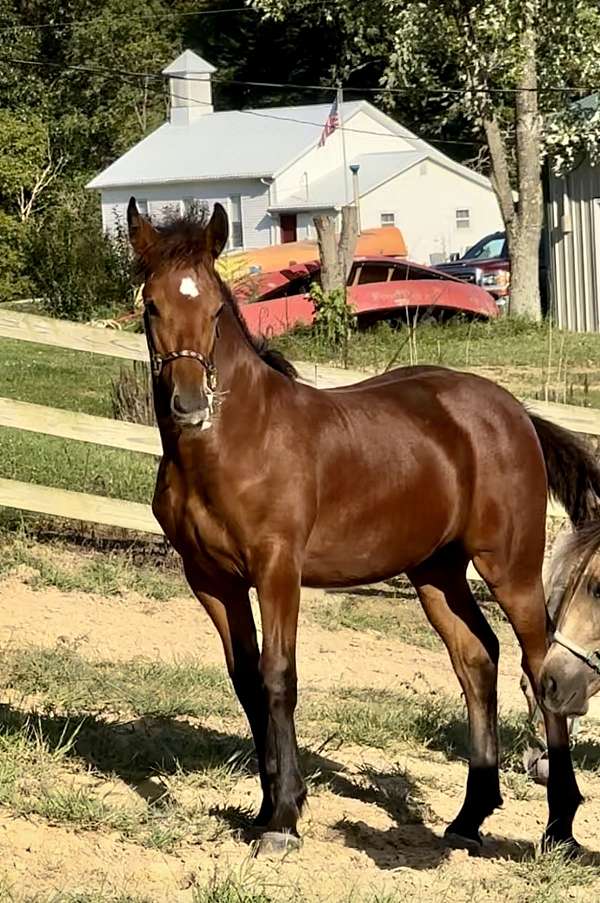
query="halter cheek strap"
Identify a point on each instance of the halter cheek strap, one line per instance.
(590, 658)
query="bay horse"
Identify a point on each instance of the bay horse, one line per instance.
(269, 483)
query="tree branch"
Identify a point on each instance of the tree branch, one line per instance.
(500, 170)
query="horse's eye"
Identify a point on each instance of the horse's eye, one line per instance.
(594, 588)
(219, 311)
(151, 308)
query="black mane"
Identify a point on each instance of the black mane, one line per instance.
(181, 240)
(275, 359)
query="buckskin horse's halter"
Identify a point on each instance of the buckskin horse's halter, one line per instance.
(592, 659)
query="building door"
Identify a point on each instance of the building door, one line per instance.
(289, 227)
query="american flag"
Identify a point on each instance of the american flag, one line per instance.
(331, 124)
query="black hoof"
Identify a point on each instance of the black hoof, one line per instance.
(278, 843)
(459, 838)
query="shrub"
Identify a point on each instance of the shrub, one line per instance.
(76, 270)
(334, 316)
(131, 395)
(14, 282)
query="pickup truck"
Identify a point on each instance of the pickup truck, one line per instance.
(486, 264)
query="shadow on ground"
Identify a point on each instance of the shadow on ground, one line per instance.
(140, 750)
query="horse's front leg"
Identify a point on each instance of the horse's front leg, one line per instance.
(278, 586)
(231, 613)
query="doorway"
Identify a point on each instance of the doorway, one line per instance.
(288, 226)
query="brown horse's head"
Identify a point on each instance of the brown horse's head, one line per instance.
(183, 297)
(571, 670)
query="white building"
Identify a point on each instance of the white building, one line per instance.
(267, 168)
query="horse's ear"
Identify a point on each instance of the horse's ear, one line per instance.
(141, 231)
(217, 231)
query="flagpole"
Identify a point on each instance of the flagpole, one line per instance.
(340, 106)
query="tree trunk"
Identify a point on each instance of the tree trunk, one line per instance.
(336, 257)
(524, 241)
(523, 218)
(348, 239)
(331, 272)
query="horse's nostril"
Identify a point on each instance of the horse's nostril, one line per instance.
(177, 405)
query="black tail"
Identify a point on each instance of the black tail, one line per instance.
(573, 472)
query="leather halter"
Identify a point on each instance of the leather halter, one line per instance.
(158, 361)
(592, 659)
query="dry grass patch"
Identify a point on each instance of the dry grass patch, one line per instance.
(69, 570)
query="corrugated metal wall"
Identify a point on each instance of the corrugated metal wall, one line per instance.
(573, 237)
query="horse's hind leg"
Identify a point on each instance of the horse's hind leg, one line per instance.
(444, 592)
(522, 600)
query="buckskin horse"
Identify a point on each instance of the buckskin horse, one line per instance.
(269, 483)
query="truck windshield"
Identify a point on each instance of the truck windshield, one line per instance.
(486, 249)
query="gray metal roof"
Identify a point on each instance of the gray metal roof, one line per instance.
(330, 190)
(227, 145)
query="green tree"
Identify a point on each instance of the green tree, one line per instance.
(508, 66)
(27, 166)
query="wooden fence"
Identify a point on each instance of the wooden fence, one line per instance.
(143, 439)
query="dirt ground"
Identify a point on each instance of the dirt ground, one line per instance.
(353, 847)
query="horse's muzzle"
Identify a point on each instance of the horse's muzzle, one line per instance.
(190, 409)
(564, 683)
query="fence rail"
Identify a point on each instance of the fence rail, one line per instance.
(37, 418)
(145, 439)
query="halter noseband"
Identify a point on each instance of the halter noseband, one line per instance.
(158, 361)
(590, 658)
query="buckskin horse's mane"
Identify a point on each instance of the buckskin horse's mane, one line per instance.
(182, 240)
(576, 552)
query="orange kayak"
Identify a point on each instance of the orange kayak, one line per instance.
(387, 241)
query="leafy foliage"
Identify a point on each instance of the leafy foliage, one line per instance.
(334, 316)
(78, 272)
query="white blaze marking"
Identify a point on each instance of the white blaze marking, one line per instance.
(188, 287)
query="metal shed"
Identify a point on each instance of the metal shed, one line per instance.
(572, 239)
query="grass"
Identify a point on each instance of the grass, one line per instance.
(382, 718)
(395, 617)
(521, 354)
(108, 574)
(62, 680)
(66, 464)
(72, 380)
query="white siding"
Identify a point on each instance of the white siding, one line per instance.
(364, 135)
(424, 200)
(257, 222)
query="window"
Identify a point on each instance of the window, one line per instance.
(463, 218)
(488, 248)
(194, 207)
(372, 272)
(236, 239)
(388, 219)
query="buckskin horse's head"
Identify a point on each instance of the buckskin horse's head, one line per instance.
(571, 671)
(183, 298)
